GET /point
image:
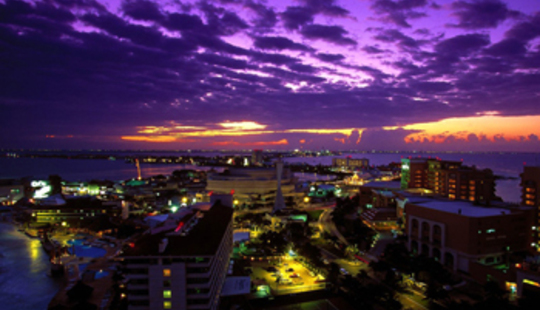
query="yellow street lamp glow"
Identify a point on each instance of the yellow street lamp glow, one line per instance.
(306, 199)
(235, 201)
(184, 199)
(64, 223)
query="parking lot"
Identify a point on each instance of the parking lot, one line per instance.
(287, 276)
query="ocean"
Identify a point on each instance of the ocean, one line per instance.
(24, 268)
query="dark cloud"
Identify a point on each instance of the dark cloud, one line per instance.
(303, 68)
(398, 12)
(403, 41)
(332, 34)
(527, 30)
(330, 57)
(325, 7)
(296, 16)
(118, 27)
(221, 22)
(507, 47)
(223, 61)
(279, 43)
(372, 49)
(276, 59)
(462, 45)
(142, 10)
(181, 21)
(481, 14)
(267, 18)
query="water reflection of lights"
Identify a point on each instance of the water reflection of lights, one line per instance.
(35, 250)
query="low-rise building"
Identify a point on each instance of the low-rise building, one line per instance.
(350, 163)
(457, 233)
(254, 186)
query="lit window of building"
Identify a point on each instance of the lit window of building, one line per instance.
(167, 294)
(166, 272)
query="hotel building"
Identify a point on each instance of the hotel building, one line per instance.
(530, 196)
(449, 179)
(181, 264)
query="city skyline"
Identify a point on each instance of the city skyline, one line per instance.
(388, 75)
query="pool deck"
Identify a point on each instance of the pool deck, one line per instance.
(102, 294)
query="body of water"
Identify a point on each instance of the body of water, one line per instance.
(24, 269)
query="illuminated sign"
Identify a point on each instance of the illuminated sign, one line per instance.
(39, 183)
(404, 167)
(531, 282)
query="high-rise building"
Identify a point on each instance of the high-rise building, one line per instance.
(181, 264)
(530, 196)
(449, 179)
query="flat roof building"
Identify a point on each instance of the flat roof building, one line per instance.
(182, 263)
(457, 232)
(530, 196)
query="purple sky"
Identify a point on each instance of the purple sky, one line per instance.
(380, 74)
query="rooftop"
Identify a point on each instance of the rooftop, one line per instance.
(466, 208)
(203, 239)
(384, 185)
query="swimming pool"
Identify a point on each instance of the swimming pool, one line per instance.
(79, 249)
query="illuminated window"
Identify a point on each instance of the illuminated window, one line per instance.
(166, 272)
(490, 231)
(167, 294)
(167, 305)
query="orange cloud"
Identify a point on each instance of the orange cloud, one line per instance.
(258, 143)
(58, 137)
(244, 125)
(175, 131)
(149, 138)
(488, 126)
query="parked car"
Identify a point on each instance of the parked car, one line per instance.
(294, 275)
(290, 270)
